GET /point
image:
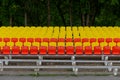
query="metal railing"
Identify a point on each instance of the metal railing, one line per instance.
(108, 64)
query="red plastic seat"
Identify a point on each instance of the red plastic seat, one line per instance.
(70, 50)
(92, 40)
(106, 50)
(115, 50)
(61, 40)
(77, 40)
(51, 50)
(116, 40)
(45, 39)
(43, 50)
(6, 50)
(61, 50)
(97, 50)
(53, 40)
(79, 50)
(14, 40)
(0, 39)
(0, 50)
(69, 39)
(108, 40)
(6, 40)
(31, 40)
(33, 50)
(24, 50)
(100, 40)
(88, 50)
(38, 40)
(23, 40)
(84, 40)
(15, 50)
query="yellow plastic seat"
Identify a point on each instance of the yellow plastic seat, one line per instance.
(44, 44)
(69, 43)
(77, 44)
(52, 44)
(61, 44)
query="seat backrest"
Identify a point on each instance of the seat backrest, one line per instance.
(61, 40)
(53, 40)
(37, 39)
(69, 39)
(77, 40)
(85, 40)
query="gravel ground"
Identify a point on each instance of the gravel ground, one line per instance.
(60, 78)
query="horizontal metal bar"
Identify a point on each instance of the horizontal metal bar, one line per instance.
(57, 67)
(33, 67)
(80, 61)
(33, 60)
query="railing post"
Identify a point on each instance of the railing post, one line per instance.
(1, 65)
(6, 60)
(115, 71)
(106, 59)
(110, 66)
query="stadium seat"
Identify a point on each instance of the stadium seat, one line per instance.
(77, 40)
(97, 50)
(61, 39)
(108, 40)
(15, 50)
(23, 40)
(69, 39)
(51, 50)
(31, 40)
(37, 39)
(43, 50)
(88, 50)
(69, 50)
(6, 50)
(92, 40)
(33, 50)
(6, 40)
(116, 50)
(53, 40)
(85, 40)
(0, 39)
(45, 39)
(79, 50)
(100, 40)
(116, 40)
(24, 50)
(61, 50)
(14, 40)
(107, 50)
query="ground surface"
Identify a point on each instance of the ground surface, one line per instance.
(60, 78)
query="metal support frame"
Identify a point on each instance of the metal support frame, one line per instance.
(108, 64)
(75, 70)
(115, 71)
(106, 59)
(6, 62)
(39, 63)
(1, 66)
